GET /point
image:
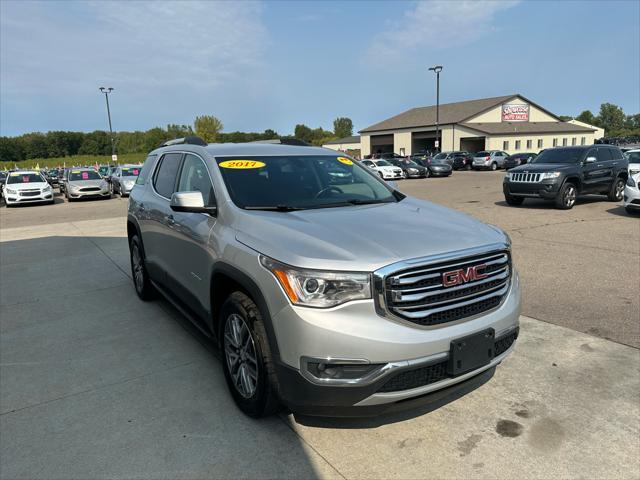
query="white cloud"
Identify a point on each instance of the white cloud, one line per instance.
(435, 25)
(178, 44)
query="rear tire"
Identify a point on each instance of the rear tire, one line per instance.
(513, 201)
(467, 167)
(139, 274)
(494, 166)
(566, 198)
(617, 189)
(247, 363)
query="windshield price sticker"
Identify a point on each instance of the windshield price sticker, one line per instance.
(345, 160)
(242, 164)
(85, 175)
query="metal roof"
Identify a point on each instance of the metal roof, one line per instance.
(450, 113)
(352, 139)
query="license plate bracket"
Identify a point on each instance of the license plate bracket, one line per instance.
(471, 352)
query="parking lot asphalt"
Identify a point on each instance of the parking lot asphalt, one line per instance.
(97, 384)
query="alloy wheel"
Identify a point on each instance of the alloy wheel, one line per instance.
(240, 354)
(138, 268)
(570, 196)
(619, 189)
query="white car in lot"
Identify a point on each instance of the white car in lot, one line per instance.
(634, 161)
(631, 196)
(384, 169)
(27, 186)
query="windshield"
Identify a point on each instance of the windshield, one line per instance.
(103, 170)
(383, 163)
(84, 175)
(633, 157)
(17, 177)
(440, 156)
(300, 182)
(53, 173)
(130, 171)
(560, 155)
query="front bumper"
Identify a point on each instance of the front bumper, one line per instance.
(631, 197)
(392, 175)
(16, 198)
(547, 189)
(355, 331)
(418, 174)
(90, 194)
(440, 171)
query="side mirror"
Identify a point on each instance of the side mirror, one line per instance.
(590, 160)
(191, 202)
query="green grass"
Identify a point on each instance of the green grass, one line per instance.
(77, 160)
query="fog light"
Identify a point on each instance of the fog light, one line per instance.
(339, 371)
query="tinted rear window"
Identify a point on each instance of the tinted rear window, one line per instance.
(483, 154)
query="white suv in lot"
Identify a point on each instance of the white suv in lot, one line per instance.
(331, 294)
(385, 170)
(27, 186)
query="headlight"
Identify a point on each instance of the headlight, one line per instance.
(631, 182)
(546, 175)
(506, 235)
(12, 192)
(314, 288)
(73, 187)
(507, 176)
(103, 184)
(47, 188)
(412, 170)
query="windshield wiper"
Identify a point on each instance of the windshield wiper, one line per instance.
(349, 203)
(274, 208)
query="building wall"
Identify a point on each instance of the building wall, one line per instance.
(402, 142)
(365, 144)
(497, 142)
(599, 131)
(495, 114)
(342, 147)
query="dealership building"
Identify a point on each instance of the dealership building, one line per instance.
(511, 123)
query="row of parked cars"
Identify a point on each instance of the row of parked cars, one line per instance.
(392, 166)
(33, 186)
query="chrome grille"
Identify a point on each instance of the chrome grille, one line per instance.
(29, 193)
(525, 177)
(424, 295)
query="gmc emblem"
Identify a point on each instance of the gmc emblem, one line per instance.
(464, 275)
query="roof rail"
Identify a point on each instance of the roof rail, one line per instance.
(191, 140)
(285, 141)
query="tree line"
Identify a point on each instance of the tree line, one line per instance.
(54, 144)
(613, 119)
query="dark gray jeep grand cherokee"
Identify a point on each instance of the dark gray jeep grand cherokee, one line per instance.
(561, 174)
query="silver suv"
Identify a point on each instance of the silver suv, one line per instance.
(326, 289)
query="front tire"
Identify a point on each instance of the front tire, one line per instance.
(248, 365)
(617, 189)
(513, 201)
(141, 281)
(566, 198)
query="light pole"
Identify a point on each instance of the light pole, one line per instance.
(107, 91)
(437, 69)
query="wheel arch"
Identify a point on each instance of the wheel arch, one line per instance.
(225, 279)
(575, 180)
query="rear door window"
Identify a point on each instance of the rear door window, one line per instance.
(166, 173)
(604, 154)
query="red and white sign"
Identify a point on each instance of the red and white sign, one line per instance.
(512, 112)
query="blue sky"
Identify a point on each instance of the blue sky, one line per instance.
(274, 64)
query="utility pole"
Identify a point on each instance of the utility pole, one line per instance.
(437, 69)
(107, 91)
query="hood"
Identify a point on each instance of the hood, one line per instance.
(86, 183)
(361, 238)
(544, 167)
(27, 186)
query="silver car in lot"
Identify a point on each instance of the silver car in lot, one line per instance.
(333, 295)
(124, 178)
(85, 183)
(489, 159)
